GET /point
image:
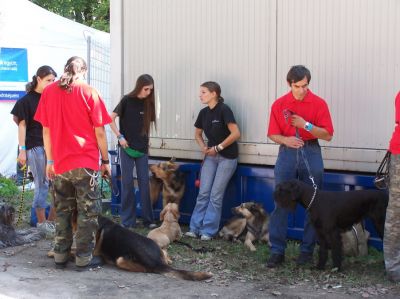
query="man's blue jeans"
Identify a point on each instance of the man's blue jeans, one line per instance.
(215, 175)
(290, 165)
(128, 199)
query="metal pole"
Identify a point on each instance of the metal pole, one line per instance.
(89, 46)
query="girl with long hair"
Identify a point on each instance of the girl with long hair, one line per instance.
(136, 112)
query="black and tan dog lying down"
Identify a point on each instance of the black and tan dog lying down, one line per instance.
(136, 253)
(333, 212)
(249, 224)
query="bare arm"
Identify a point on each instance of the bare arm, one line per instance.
(289, 141)
(49, 155)
(198, 135)
(317, 132)
(15, 119)
(101, 138)
(114, 128)
(233, 136)
(21, 141)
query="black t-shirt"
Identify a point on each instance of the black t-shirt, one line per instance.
(215, 122)
(131, 114)
(25, 109)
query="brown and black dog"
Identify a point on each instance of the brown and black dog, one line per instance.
(250, 221)
(173, 182)
(136, 253)
(9, 236)
(169, 231)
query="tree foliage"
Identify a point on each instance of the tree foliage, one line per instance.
(93, 13)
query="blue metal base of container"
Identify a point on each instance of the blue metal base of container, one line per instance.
(255, 183)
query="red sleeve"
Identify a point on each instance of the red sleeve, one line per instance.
(273, 127)
(323, 119)
(98, 113)
(41, 115)
(397, 108)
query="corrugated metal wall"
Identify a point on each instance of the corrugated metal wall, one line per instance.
(351, 47)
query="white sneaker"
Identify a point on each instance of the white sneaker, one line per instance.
(47, 228)
(190, 234)
(205, 238)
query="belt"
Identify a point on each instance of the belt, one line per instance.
(311, 142)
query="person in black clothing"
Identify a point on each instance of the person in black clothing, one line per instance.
(220, 160)
(136, 112)
(30, 140)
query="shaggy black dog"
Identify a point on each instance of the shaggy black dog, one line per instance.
(11, 237)
(136, 253)
(332, 213)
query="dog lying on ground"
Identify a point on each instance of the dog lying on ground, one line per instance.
(169, 231)
(250, 221)
(332, 213)
(355, 241)
(173, 181)
(133, 252)
(11, 237)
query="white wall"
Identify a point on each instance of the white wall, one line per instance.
(350, 46)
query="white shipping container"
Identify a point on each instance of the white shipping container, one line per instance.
(351, 47)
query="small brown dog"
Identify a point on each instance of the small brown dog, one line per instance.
(173, 182)
(250, 221)
(355, 241)
(169, 231)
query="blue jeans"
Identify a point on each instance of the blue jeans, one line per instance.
(128, 199)
(36, 160)
(290, 165)
(215, 175)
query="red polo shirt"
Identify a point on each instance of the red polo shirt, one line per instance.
(394, 146)
(71, 118)
(312, 108)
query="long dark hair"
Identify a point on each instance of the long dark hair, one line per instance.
(214, 87)
(149, 102)
(74, 66)
(41, 72)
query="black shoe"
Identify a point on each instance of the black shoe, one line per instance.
(95, 262)
(304, 258)
(62, 265)
(275, 260)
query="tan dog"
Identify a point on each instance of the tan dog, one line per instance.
(173, 181)
(355, 241)
(251, 221)
(169, 231)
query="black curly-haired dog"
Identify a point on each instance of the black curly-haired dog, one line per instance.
(333, 212)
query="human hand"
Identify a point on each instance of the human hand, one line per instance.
(211, 152)
(297, 121)
(50, 174)
(204, 150)
(22, 157)
(105, 170)
(293, 142)
(123, 143)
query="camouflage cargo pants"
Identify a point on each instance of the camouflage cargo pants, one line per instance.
(76, 190)
(391, 242)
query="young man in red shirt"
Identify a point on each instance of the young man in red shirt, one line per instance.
(73, 116)
(307, 114)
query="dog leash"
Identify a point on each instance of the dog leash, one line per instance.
(202, 249)
(310, 176)
(22, 196)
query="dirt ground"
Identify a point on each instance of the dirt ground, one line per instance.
(26, 272)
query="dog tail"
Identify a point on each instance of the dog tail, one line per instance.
(183, 274)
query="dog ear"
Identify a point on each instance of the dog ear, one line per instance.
(162, 214)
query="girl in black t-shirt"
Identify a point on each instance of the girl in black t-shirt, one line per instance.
(30, 140)
(220, 160)
(136, 112)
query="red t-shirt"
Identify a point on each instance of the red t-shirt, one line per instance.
(394, 146)
(312, 108)
(71, 118)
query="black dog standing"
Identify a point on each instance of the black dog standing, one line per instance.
(332, 213)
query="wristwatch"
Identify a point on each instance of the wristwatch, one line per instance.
(308, 126)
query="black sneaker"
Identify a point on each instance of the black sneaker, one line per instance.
(304, 258)
(275, 260)
(95, 262)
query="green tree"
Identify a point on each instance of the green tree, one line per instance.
(93, 13)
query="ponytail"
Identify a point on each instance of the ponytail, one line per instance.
(74, 67)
